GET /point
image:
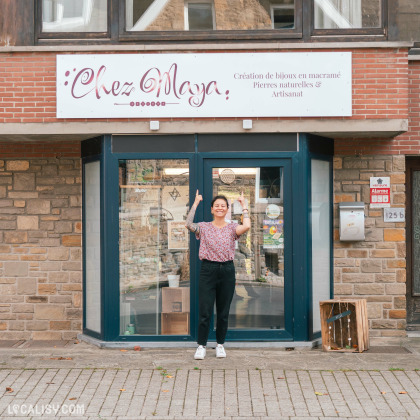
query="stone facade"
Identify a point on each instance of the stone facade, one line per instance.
(374, 269)
(40, 248)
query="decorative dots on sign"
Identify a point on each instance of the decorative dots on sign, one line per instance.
(132, 103)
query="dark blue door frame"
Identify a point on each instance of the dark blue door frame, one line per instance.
(297, 235)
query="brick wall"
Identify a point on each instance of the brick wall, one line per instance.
(27, 88)
(40, 241)
(405, 144)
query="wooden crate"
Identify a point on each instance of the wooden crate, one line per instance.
(175, 323)
(175, 299)
(337, 325)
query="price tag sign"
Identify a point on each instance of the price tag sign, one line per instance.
(394, 215)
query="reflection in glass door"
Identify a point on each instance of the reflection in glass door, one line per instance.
(153, 247)
(258, 303)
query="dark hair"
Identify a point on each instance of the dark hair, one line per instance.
(220, 197)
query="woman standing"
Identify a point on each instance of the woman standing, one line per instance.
(217, 275)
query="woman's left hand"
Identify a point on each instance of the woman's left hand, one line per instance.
(241, 199)
(246, 222)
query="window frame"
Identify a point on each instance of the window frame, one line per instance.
(226, 35)
(40, 35)
(186, 16)
(324, 34)
(304, 30)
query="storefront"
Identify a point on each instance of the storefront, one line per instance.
(148, 268)
(112, 115)
(141, 275)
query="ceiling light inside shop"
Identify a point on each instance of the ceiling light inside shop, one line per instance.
(185, 171)
(240, 171)
(175, 171)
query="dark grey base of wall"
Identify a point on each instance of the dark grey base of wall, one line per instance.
(193, 344)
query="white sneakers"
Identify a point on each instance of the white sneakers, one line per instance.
(220, 351)
(200, 353)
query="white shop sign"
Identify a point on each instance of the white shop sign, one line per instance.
(244, 85)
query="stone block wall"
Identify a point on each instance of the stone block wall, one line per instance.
(40, 243)
(374, 269)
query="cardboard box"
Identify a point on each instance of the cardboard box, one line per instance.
(175, 299)
(175, 323)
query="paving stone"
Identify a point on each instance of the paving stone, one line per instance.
(228, 393)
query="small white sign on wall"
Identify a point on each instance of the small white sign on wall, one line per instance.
(394, 214)
(309, 84)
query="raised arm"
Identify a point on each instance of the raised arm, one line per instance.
(246, 222)
(193, 227)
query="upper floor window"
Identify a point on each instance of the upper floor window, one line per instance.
(199, 16)
(347, 14)
(196, 20)
(283, 15)
(74, 16)
(232, 15)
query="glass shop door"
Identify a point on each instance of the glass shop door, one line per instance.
(262, 303)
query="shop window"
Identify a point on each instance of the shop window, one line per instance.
(92, 245)
(60, 17)
(348, 15)
(321, 232)
(276, 18)
(199, 17)
(154, 247)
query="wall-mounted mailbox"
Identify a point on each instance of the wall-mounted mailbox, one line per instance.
(352, 221)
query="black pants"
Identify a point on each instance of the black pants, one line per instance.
(217, 282)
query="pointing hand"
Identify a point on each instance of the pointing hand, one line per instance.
(241, 199)
(198, 198)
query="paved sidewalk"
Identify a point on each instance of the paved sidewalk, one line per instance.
(169, 384)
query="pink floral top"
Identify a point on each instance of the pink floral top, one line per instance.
(217, 244)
